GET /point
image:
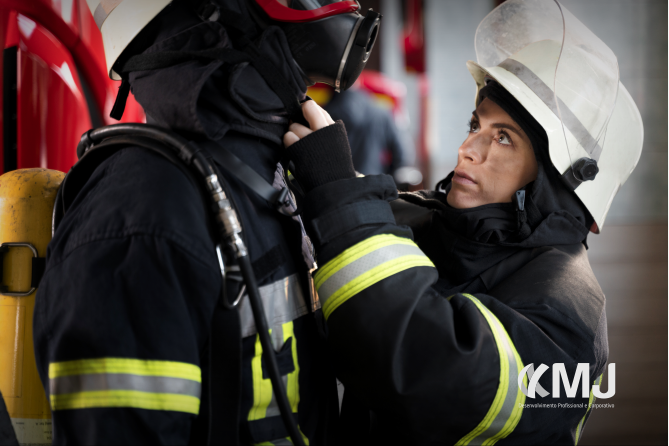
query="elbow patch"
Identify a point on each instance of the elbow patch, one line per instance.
(125, 382)
(363, 265)
(506, 408)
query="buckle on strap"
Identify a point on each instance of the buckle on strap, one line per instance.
(37, 269)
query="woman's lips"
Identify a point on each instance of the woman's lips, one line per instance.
(463, 178)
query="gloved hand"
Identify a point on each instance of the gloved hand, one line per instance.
(321, 153)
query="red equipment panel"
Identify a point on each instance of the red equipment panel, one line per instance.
(55, 83)
(51, 107)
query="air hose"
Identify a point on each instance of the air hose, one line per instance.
(229, 228)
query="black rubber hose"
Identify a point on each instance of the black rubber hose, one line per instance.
(171, 139)
(268, 350)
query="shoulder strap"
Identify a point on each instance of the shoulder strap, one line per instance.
(225, 349)
(82, 171)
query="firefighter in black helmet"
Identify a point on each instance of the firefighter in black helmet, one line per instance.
(124, 313)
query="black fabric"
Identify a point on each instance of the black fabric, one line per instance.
(132, 271)
(224, 399)
(237, 98)
(38, 265)
(419, 360)
(284, 359)
(473, 240)
(322, 157)
(7, 435)
(352, 216)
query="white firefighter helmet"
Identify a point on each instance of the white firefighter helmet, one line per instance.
(120, 21)
(567, 79)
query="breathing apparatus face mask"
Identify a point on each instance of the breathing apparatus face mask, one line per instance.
(329, 39)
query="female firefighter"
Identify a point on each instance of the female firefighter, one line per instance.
(441, 305)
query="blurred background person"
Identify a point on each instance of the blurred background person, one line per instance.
(377, 126)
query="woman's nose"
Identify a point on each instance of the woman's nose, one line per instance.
(473, 149)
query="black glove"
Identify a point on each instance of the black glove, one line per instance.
(322, 157)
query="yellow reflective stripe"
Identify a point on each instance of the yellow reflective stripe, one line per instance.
(363, 265)
(293, 385)
(127, 366)
(506, 408)
(371, 277)
(579, 428)
(355, 252)
(126, 398)
(262, 388)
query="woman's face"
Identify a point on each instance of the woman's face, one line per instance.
(494, 162)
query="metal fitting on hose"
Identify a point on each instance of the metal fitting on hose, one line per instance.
(227, 216)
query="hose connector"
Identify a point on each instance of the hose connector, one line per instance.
(226, 216)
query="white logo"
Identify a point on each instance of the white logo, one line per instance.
(581, 376)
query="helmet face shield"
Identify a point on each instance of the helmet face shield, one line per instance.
(564, 64)
(568, 80)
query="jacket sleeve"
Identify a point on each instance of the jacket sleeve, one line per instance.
(121, 319)
(434, 367)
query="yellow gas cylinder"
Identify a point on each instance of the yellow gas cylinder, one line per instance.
(26, 203)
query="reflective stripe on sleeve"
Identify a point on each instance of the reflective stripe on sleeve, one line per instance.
(363, 265)
(506, 409)
(579, 428)
(124, 382)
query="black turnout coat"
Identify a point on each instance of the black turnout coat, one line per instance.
(426, 362)
(124, 310)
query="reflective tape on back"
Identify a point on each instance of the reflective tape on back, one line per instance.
(363, 265)
(506, 408)
(104, 8)
(579, 428)
(544, 92)
(125, 382)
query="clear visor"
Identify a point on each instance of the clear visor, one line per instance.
(569, 68)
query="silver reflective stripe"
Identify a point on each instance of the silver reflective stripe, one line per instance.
(544, 92)
(283, 301)
(123, 381)
(105, 7)
(362, 265)
(510, 398)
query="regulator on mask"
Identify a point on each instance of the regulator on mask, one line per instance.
(329, 39)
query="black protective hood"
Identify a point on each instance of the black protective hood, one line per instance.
(465, 242)
(206, 99)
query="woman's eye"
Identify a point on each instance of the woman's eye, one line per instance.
(473, 126)
(504, 139)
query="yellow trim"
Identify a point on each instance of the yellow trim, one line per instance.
(126, 398)
(355, 252)
(500, 334)
(142, 367)
(262, 388)
(369, 278)
(579, 428)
